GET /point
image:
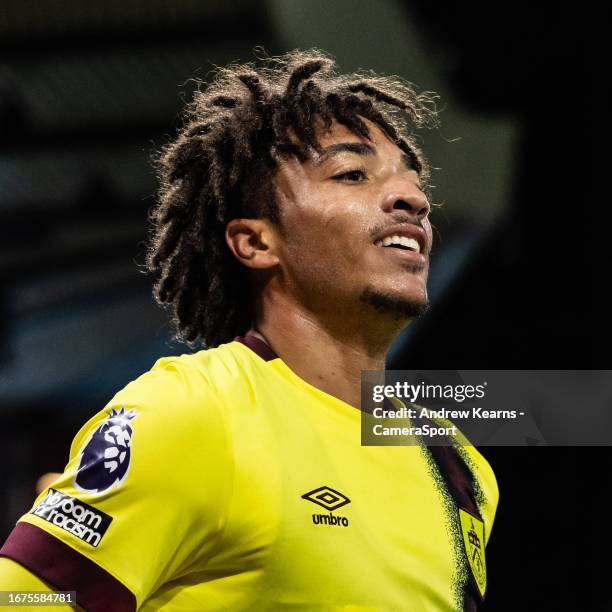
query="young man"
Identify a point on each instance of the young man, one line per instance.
(292, 235)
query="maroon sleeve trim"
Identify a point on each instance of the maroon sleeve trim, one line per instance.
(66, 569)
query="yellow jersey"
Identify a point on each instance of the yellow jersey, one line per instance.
(221, 480)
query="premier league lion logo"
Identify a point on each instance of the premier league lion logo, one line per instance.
(105, 460)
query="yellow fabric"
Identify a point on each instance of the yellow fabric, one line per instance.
(14, 577)
(211, 514)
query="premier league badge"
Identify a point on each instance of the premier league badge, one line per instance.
(105, 460)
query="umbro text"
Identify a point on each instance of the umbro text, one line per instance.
(330, 519)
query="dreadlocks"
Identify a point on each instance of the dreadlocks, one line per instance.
(221, 166)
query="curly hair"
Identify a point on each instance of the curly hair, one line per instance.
(222, 164)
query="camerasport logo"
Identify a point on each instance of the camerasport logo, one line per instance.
(74, 516)
(331, 500)
(105, 460)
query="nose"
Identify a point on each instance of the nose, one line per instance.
(413, 201)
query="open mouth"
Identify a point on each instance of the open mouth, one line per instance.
(399, 242)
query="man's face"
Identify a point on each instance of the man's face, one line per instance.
(356, 226)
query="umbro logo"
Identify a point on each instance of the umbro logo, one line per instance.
(331, 500)
(327, 497)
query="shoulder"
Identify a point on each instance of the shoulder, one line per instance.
(181, 403)
(187, 386)
(172, 413)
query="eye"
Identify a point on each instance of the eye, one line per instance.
(351, 176)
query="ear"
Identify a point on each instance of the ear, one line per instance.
(253, 242)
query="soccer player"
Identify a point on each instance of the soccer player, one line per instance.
(291, 238)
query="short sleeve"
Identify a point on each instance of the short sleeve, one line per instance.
(143, 498)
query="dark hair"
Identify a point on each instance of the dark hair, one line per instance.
(221, 165)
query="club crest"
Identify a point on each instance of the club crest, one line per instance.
(105, 459)
(472, 529)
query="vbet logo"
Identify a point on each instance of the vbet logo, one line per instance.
(331, 500)
(74, 516)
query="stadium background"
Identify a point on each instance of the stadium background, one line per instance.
(88, 91)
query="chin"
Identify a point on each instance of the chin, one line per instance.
(399, 306)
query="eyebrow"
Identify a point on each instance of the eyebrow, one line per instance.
(359, 148)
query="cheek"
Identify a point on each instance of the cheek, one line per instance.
(327, 252)
(305, 251)
(428, 230)
(325, 225)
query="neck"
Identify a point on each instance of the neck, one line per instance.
(329, 351)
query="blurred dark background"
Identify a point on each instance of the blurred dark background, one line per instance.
(89, 91)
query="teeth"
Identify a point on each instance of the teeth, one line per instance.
(410, 243)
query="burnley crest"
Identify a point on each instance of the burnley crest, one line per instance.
(105, 460)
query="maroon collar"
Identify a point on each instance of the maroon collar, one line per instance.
(258, 346)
